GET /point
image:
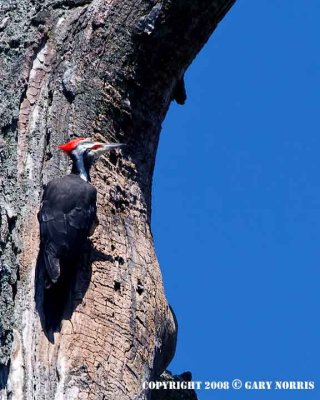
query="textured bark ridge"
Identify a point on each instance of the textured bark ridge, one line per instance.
(107, 69)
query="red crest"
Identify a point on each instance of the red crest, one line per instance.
(68, 147)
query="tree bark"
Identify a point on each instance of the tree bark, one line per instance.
(106, 69)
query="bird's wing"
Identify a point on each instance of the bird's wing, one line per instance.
(81, 218)
(65, 218)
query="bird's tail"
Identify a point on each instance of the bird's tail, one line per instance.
(56, 292)
(54, 288)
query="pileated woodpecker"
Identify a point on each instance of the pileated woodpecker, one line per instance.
(68, 211)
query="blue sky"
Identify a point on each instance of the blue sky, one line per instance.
(236, 202)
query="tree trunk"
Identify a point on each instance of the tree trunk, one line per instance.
(106, 69)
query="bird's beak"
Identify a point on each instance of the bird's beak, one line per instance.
(111, 146)
(101, 148)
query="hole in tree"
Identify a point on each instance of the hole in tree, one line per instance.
(140, 288)
(119, 259)
(113, 158)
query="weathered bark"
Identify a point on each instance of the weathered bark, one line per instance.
(107, 69)
(176, 391)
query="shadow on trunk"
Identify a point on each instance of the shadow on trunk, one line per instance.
(59, 301)
(4, 374)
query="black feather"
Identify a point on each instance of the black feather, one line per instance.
(67, 214)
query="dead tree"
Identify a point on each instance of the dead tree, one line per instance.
(106, 69)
